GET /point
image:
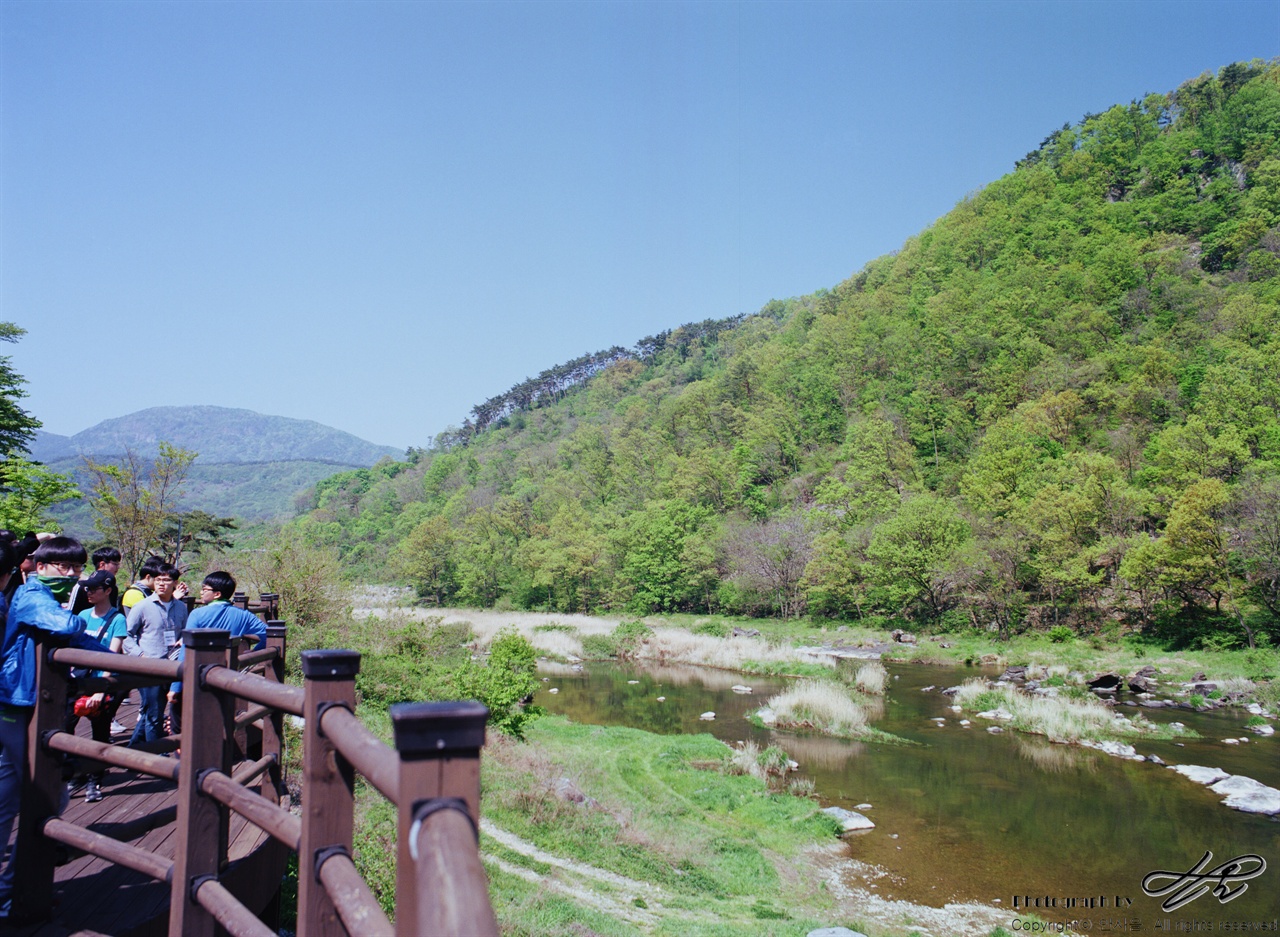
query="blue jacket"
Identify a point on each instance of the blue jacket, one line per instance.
(224, 616)
(33, 608)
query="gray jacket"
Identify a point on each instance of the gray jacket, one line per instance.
(154, 628)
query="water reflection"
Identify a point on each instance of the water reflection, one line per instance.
(1056, 758)
(977, 816)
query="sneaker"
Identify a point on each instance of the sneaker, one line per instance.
(117, 728)
(92, 792)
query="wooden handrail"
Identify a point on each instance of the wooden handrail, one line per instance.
(432, 776)
(223, 907)
(155, 765)
(372, 757)
(453, 893)
(252, 715)
(255, 769)
(104, 847)
(356, 905)
(119, 663)
(255, 689)
(267, 816)
(249, 658)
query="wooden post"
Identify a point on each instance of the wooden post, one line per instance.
(439, 746)
(273, 724)
(202, 821)
(328, 787)
(34, 855)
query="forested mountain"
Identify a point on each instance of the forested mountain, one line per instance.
(219, 434)
(250, 466)
(1058, 404)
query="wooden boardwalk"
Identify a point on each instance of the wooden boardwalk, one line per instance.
(95, 896)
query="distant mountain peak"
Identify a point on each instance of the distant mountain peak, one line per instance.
(218, 434)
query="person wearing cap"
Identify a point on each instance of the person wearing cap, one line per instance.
(104, 559)
(106, 624)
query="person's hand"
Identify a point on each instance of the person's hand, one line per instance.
(97, 700)
(180, 590)
(171, 696)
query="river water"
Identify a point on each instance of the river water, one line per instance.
(966, 815)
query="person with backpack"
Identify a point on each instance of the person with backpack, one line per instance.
(105, 623)
(143, 588)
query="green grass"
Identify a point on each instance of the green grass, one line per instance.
(670, 813)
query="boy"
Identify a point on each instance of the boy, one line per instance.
(142, 588)
(153, 627)
(217, 612)
(37, 606)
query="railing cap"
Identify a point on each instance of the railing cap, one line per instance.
(276, 629)
(330, 664)
(206, 638)
(438, 729)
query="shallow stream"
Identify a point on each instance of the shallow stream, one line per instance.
(965, 815)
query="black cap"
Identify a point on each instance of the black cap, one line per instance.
(98, 580)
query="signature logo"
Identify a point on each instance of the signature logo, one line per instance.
(1186, 887)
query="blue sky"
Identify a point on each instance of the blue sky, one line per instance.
(376, 215)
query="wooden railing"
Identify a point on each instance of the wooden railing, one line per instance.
(432, 775)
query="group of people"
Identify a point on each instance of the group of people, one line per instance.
(43, 591)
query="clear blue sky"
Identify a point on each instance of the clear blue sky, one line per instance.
(376, 215)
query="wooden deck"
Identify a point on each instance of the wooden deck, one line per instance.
(95, 896)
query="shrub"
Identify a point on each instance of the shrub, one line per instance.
(717, 629)
(1060, 633)
(628, 637)
(1254, 721)
(503, 682)
(599, 647)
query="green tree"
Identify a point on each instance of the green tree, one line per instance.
(27, 490)
(504, 682)
(134, 497)
(193, 533)
(914, 554)
(425, 558)
(17, 426)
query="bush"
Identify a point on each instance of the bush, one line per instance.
(628, 637)
(599, 647)
(717, 629)
(1060, 633)
(503, 683)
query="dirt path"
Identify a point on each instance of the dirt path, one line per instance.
(605, 891)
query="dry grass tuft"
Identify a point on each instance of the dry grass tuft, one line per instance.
(675, 645)
(815, 704)
(871, 678)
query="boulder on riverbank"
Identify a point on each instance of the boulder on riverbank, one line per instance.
(849, 820)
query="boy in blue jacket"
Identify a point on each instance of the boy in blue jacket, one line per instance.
(217, 612)
(37, 606)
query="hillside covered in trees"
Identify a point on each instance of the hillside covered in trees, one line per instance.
(1058, 405)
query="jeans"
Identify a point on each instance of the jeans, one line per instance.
(13, 758)
(150, 725)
